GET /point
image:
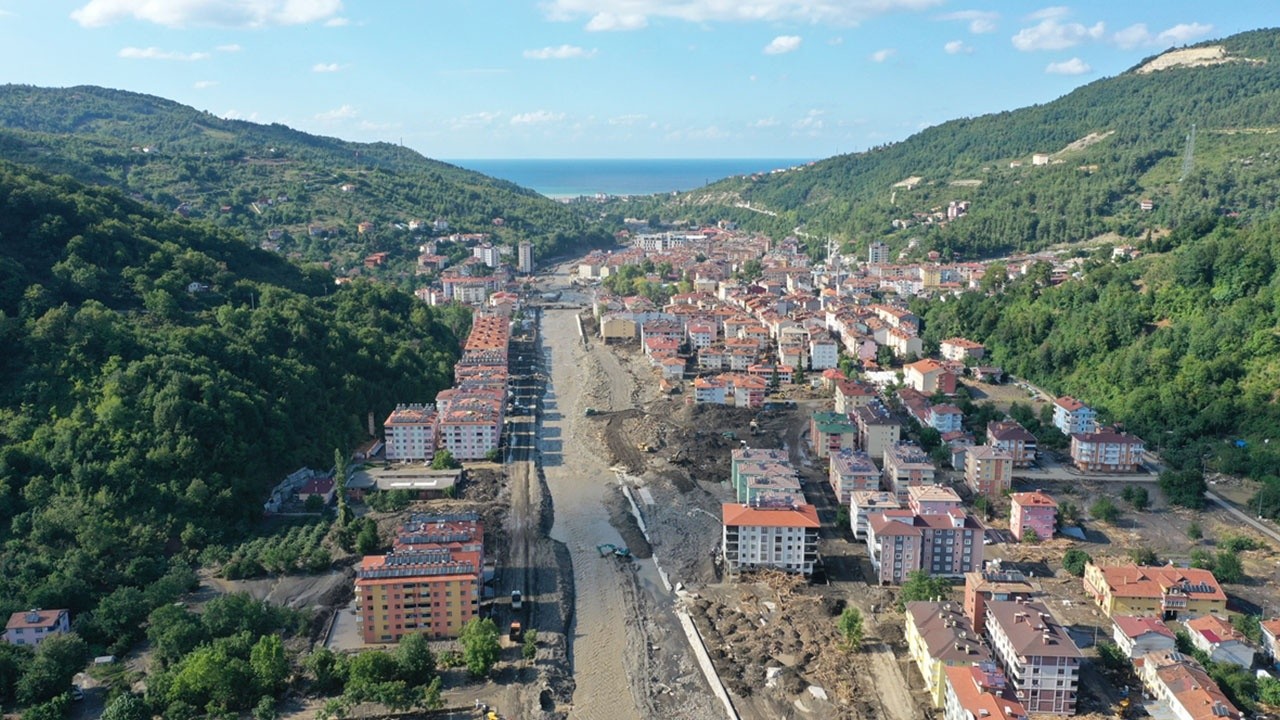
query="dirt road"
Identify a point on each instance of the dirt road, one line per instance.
(629, 658)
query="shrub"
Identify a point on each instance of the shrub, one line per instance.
(1074, 561)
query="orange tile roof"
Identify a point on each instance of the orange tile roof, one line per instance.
(801, 516)
(1149, 581)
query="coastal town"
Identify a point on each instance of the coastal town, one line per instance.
(740, 448)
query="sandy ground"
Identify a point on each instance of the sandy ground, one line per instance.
(629, 660)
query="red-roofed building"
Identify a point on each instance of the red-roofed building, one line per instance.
(1032, 512)
(1159, 590)
(960, 349)
(1107, 451)
(1138, 636)
(1186, 687)
(929, 376)
(1271, 640)
(785, 537)
(31, 627)
(978, 692)
(1220, 640)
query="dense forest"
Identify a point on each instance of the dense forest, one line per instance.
(158, 376)
(1181, 346)
(251, 178)
(1137, 125)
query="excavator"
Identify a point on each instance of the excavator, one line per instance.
(607, 549)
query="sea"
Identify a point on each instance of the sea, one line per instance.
(565, 178)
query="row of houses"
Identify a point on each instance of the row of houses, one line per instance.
(466, 419)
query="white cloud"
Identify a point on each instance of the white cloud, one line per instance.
(536, 117)
(980, 21)
(765, 123)
(636, 14)
(1138, 35)
(1074, 66)
(633, 119)
(232, 48)
(326, 67)
(203, 84)
(1050, 34)
(782, 44)
(218, 13)
(836, 41)
(471, 120)
(337, 22)
(155, 53)
(237, 115)
(1050, 13)
(882, 55)
(563, 52)
(957, 47)
(346, 112)
(606, 22)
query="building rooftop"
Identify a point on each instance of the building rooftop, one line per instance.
(799, 516)
(1151, 581)
(1031, 629)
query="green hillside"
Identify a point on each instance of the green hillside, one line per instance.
(1182, 346)
(252, 178)
(1110, 143)
(144, 418)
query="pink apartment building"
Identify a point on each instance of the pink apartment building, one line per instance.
(1032, 511)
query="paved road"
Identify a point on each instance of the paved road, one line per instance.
(1253, 522)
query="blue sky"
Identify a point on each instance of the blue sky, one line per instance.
(602, 78)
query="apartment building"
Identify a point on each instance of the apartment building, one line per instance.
(1036, 654)
(993, 582)
(1010, 436)
(877, 430)
(932, 500)
(865, 503)
(850, 471)
(430, 584)
(979, 692)
(1181, 682)
(906, 465)
(1032, 512)
(785, 538)
(1072, 416)
(959, 349)
(988, 470)
(939, 636)
(830, 433)
(900, 542)
(764, 477)
(1107, 451)
(411, 432)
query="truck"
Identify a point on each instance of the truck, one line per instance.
(516, 633)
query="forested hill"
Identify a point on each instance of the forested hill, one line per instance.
(158, 377)
(1182, 345)
(1110, 143)
(256, 178)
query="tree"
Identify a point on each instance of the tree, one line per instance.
(850, 627)
(1068, 514)
(340, 485)
(270, 666)
(431, 695)
(1193, 530)
(1137, 496)
(1143, 556)
(57, 660)
(797, 374)
(1249, 626)
(14, 660)
(920, 585)
(1105, 510)
(367, 540)
(417, 662)
(1227, 567)
(480, 646)
(329, 670)
(126, 706)
(443, 460)
(530, 649)
(1030, 536)
(1074, 560)
(265, 709)
(174, 632)
(982, 506)
(1183, 487)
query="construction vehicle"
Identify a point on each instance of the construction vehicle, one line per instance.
(610, 549)
(644, 447)
(755, 426)
(517, 632)
(590, 411)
